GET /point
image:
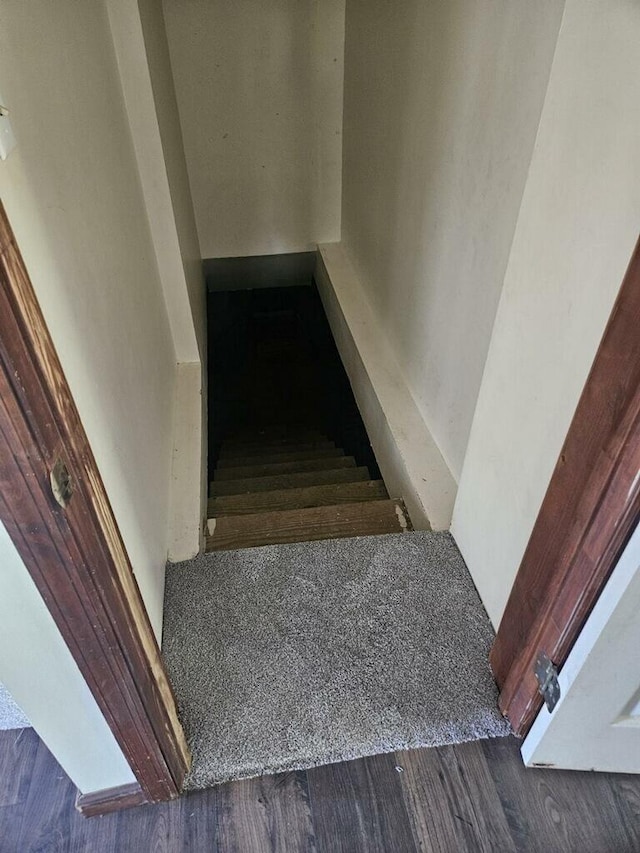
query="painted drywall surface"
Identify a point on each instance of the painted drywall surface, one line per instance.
(187, 503)
(72, 193)
(159, 63)
(138, 66)
(441, 105)
(259, 89)
(411, 464)
(576, 231)
(145, 71)
(38, 670)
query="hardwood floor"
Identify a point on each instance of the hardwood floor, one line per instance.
(473, 797)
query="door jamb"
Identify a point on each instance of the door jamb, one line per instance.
(590, 509)
(75, 554)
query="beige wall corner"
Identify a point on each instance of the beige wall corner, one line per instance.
(186, 502)
(577, 228)
(259, 91)
(410, 461)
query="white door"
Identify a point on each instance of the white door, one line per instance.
(596, 722)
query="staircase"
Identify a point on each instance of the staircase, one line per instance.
(282, 484)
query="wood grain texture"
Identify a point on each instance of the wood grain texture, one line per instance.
(111, 800)
(306, 525)
(287, 481)
(358, 807)
(301, 466)
(473, 797)
(561, 809)
(232, 462)
(75, 555)
(331, 494)
(450, 794)
(590, 508)
(257, 449)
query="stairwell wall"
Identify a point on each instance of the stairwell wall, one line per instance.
(142, 51)
(576, 231)
(259, 91)
(441, 105)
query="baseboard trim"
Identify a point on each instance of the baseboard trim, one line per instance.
(111, 800)
(411, 463)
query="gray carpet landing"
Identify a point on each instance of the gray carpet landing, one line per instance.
(289, 656)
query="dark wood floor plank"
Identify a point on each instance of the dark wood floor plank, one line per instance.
(19, 747)
(288, 481)
(559, 809)
(358, 807)
(471, 797)
(450, 795)
(45, 821)
(267, 815)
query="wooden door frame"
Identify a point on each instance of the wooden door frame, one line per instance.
(590, 509)
(76, 555)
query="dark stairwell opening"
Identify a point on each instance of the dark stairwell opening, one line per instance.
(309, 652)
(289, 456)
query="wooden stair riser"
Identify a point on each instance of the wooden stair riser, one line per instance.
(269, 449)
(275, 458)
(305, 525)
(275, 437)
(302, 498)
(278, 482)
(242, 472)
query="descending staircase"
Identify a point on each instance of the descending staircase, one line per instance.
(284, 484)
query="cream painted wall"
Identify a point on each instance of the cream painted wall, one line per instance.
(441, 105)
(166, 107)
(72, 193)
(38, 670)
(576, 231)
(259, 88)
(145, 70)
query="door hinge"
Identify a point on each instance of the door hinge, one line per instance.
(547, 678)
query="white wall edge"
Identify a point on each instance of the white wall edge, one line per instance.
(188, 497)
(131, 57)
(410, 461)
(186, 532)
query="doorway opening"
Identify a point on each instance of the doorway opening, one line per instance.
(333, 641)
(289, 456)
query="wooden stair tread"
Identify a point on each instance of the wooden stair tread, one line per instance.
(330, 494)
(288, 481)
(304, 525)
(244, 471)
(274, 458)
(257, 449)
(274, 435)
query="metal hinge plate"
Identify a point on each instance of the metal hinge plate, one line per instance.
(547, 678)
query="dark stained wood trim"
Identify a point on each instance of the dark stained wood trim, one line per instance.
(76, 555)
(590, 509)
(111, 800)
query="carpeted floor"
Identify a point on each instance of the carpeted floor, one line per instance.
(288, 656)
(11, 716)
